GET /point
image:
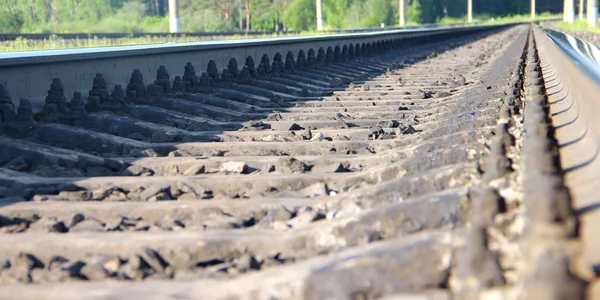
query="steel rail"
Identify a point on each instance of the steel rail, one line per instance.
(28, 74)
(116, 35)
(572, 79)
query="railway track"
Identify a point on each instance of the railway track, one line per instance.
(6, 37)
(413, 168)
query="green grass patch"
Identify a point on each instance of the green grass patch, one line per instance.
(23, 44)
(578, 25)
(489, 19)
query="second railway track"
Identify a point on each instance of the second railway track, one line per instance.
(409, 173)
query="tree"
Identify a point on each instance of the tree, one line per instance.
(11, 22)
(334, 13)
(230, 15)
(300, 15)
(378, 12)
(413, 13)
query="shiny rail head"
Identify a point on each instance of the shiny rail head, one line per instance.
(586, 55)
(37, 57)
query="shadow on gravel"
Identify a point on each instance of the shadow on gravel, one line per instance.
(53, 157)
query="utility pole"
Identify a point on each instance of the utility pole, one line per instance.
(581, 9)
(401, 12)
(533, 9)
(173, 16)
(568, 11)
(592, 13)
(469, 11)
(319, 16)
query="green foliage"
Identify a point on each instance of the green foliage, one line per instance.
(503, 19)
(127, 19)
(300, 15)
(11, 22)
(377, 12)
(413, 13)
(578, 25)
(63, 16)
(334, 13)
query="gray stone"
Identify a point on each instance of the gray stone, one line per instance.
(18, 164)
(194, 170)
(234, 167)
(276, 214)
(92, 171)
(295, 126)
(405, 130)
(70, 173)
(114, 164)
(47, 225)
(221, 223)
(134, 170)
(275, 117)
(179, 153)
(376, 133)
(112, 265)
(86, 226)
(388, 124)
(307, 134)
(155, 190)
(75, 196)
(136, 136)
(409, 130)
(248, 262)
(442, 94)
(305, 217)
(78, 217)
(162, 137)
(142, 153)
(332, 167)
(268, 168)
(106, 192)
(317, 189)
(93, 272)
(22, 266)
(131, 268)
(290, 165)
(317, 137)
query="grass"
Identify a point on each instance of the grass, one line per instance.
(488, 19)
(578, 25)
(23, 44)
